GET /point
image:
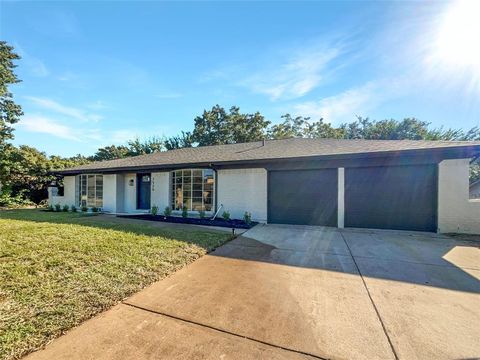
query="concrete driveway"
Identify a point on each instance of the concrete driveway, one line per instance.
(292, 292)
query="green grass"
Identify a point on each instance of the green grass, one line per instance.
(59, 269)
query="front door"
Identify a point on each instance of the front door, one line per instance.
(143, 191)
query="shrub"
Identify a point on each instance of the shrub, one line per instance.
(226, 215)
(167, 211)
(201, 214)
(57, 207)
(65, 208)
(184, 212)
(73, 208)
(50, 208)
(247, 217)
(13, 201)
(95, 209)
(154, 210)
(84, 209)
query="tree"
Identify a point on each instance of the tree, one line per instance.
(148, 146)
(9, 111)
(183, 140)
(302, 127)
(110, 153)
(217, 126)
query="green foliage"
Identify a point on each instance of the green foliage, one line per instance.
(154, 210)
(111, 152)
(183, 140)
(58, 207)
(65, 208)
(217, 126)
(184, 212)
(95, 209)
(73, 208)
(226, 215)
(201, 214)
(247, 217)
(167, 211)
(50, 208)
(12, 201)
(9, 111)
(84, 209)
(302, 127)
(148, 146)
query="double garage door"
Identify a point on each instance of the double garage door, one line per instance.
(394, 197)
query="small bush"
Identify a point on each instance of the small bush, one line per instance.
(247, 217)
(167, 211)
(73, 208)
(184, 212)
(65, 208)
(154, 210)
(50, 208)
(201, 214)
(226, 215)
(84, 209)
(95, 209)
(58, 207)
(13, 201)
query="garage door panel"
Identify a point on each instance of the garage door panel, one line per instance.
(305, 197)
(397, 197)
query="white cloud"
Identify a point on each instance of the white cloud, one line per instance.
(72, 112)
(46, 125)
(295, 77)
(345, 105)
(34, 65)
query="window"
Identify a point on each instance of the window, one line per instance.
(90, 190)
(193, 189)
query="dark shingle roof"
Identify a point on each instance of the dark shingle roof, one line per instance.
(273, 149)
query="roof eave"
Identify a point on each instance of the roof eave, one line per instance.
(445, 152)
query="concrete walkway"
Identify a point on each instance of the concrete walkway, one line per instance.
(289, 292)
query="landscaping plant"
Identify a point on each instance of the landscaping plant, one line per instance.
(50, 208)
(184, 212)
(247, 217)
(73, 208)
(154, 210)
(167, 211)
(57, 207)
(201, 214)
(65, 208)
(84, 209)
(226, 215)
(95, 209)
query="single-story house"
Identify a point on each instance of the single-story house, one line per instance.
(386, 184)
(475, 190)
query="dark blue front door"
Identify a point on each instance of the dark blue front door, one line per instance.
(143, 191)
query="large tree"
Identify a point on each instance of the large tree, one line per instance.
(10, 112)
(217, 126)
(110, 153)
(185, 139)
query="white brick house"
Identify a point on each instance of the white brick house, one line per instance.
(391, 184)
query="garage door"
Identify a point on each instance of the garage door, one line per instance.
(396, 197)
(303, 197)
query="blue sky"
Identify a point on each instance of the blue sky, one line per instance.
(97, 73)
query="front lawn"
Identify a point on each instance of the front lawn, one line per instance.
(59, 269)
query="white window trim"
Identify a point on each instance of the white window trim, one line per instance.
(79, 190)
(171, 198)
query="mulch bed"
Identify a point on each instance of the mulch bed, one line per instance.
(237, 224)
